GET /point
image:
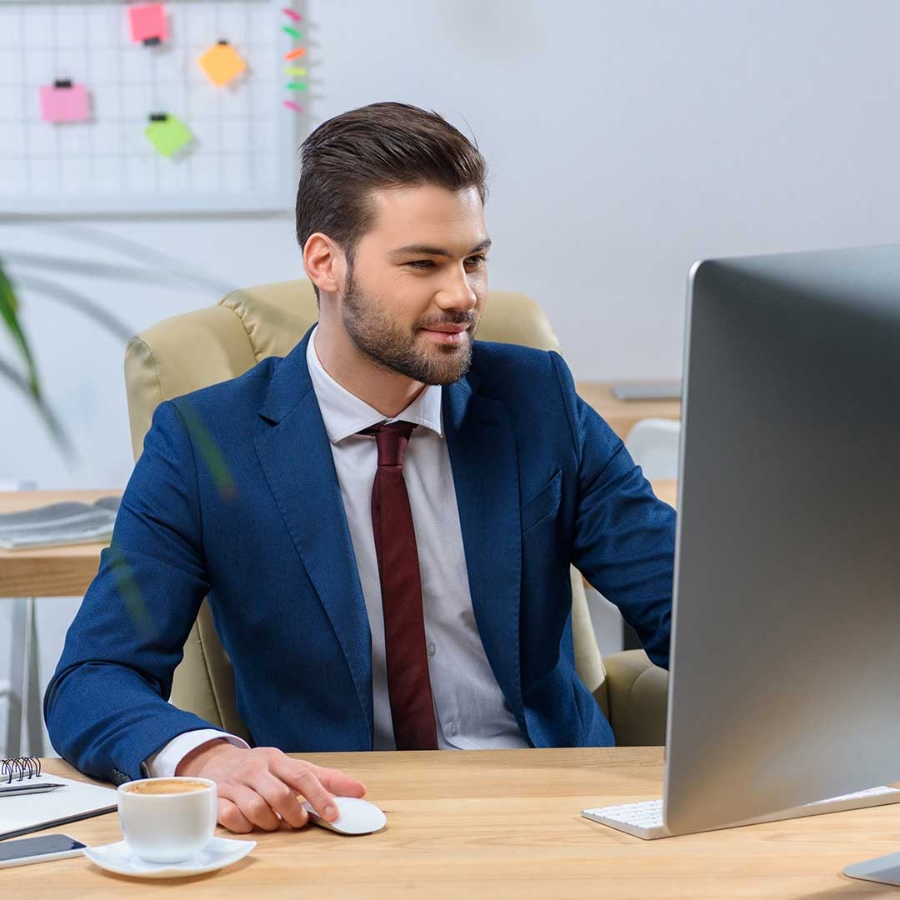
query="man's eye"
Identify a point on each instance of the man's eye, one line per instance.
(476, 261)
(420, 264)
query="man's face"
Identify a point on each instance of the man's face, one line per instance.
(416, 286)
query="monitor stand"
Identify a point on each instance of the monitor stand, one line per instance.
(882, 869)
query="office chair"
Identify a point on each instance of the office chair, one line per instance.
(653, 445)
(191, 351)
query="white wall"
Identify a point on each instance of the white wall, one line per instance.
(624, 139)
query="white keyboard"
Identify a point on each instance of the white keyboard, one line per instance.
(645, 820)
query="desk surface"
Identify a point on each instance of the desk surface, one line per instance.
(67, 571)
(505, 824)
(48, 571)
(621, 415)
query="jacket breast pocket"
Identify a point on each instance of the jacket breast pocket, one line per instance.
(544, 504)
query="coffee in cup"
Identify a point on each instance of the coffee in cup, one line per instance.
(167, 819)
(167, 786)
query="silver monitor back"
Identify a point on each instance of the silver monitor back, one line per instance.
(785, 675)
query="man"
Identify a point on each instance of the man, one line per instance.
(391, 569)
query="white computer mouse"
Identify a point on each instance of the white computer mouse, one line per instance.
(356, 816)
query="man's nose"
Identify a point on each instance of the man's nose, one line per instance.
(456, 292)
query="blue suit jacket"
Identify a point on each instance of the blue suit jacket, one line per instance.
(236, 497)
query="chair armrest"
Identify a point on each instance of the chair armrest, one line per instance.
(634, 698)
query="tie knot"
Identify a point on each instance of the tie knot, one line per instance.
(392, 440)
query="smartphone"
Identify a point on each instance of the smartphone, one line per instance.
(26, 851)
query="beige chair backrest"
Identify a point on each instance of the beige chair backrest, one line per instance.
(191, 351)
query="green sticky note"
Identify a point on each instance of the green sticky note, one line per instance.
(168, 134)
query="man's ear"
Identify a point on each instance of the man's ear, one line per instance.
(324, 262)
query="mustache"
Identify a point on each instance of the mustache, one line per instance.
(451, 318)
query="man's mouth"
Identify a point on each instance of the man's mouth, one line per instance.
(449, 328)
(447, 333)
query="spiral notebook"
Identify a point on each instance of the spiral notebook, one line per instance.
(23, 813)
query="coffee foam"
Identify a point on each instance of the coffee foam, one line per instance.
(157, 786)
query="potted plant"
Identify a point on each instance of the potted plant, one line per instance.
(28, 381)
(155, 267)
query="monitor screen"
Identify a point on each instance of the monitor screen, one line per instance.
(785, 669)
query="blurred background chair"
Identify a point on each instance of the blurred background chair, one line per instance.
(191, 351)
(653, 445)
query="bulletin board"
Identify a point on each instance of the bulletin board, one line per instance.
(215, 147)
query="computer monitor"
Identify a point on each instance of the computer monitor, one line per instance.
(785, 671)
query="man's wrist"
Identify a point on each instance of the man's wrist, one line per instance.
(165, 761)
(194, 762)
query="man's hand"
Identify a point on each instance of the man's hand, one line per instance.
(258, 788)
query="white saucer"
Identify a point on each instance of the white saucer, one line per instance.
(217, 854)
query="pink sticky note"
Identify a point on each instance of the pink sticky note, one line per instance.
(148, 23)
(65, 104)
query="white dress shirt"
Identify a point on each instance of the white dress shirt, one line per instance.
(470, 710)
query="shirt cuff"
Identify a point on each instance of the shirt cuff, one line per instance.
(164, 762)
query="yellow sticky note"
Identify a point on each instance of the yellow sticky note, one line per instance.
(168, 134)
(222, 64)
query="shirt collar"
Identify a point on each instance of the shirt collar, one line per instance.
(344, 414)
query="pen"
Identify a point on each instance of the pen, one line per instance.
(16, 790)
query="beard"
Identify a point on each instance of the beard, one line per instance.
(393, 346)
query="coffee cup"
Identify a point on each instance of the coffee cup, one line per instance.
(167, 820)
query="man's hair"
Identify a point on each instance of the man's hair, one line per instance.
(378, 146)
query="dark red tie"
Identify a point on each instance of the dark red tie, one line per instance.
(409, 686)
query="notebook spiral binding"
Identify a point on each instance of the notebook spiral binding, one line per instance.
(19, 768)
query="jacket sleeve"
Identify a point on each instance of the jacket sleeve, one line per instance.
(106, 706)
(624, 540)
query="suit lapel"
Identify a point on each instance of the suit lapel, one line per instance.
(483, 457)
(296, 457)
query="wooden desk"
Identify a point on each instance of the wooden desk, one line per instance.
(621, 415)
(666, 491)
(504, 824)
(48, 571)
(67, 571)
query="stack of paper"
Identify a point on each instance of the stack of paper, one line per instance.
(59, 523)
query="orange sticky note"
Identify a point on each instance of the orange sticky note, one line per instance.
(65, 102)
(148, 23)
(222, 63)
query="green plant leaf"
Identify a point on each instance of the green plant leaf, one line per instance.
(9, 307)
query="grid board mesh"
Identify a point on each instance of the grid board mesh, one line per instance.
(244, 138)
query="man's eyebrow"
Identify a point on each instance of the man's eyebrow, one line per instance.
(427, 250)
